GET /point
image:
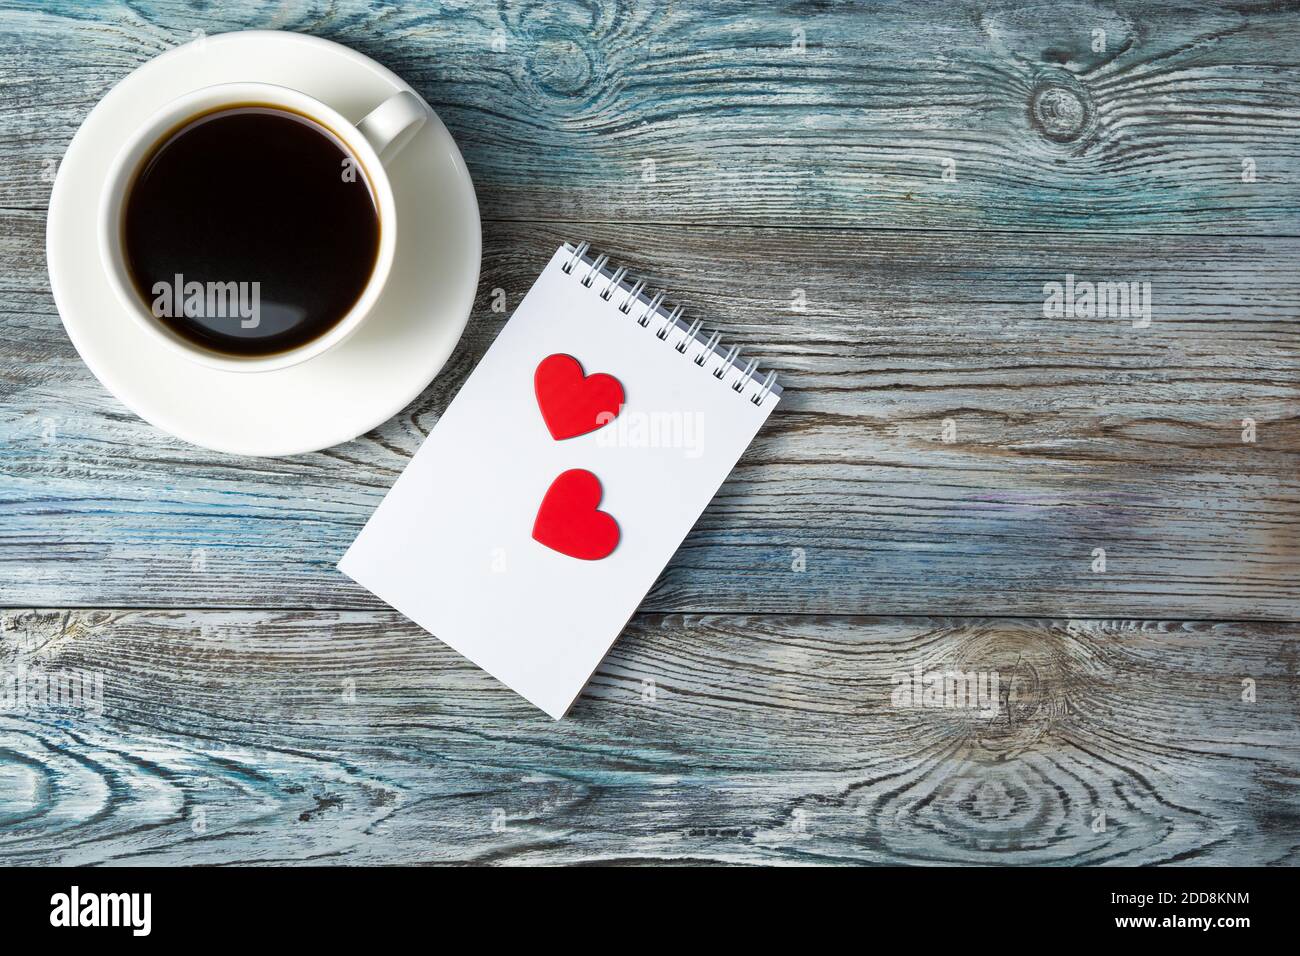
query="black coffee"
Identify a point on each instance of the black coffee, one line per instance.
(251, 230)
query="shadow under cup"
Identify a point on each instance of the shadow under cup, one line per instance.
(250, 230)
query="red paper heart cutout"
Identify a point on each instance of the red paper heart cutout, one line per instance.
(569, 522)
(573, 404)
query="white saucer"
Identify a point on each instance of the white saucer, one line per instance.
(333, 397)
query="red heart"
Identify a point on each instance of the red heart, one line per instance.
(569, 522)
(573, 404)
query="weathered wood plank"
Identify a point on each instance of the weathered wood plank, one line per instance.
(1089, 116)
(351, 737)
(1069, 434)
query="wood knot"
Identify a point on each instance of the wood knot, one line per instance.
(1059, 108)
(1027, 673)
(561, 67)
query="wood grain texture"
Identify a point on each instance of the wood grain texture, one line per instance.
(1069, 435)
(352, 737)
(782, 170)
(1131, 116)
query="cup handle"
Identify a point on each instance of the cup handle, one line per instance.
(393, 123)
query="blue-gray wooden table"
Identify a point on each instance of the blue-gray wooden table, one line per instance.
(1099, 506)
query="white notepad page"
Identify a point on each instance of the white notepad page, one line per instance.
(451, 545)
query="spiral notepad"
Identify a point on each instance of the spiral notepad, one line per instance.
(562, 477)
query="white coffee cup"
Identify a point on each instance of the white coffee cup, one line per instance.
(378, 138)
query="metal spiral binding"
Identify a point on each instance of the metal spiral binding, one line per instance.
(631, 298)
